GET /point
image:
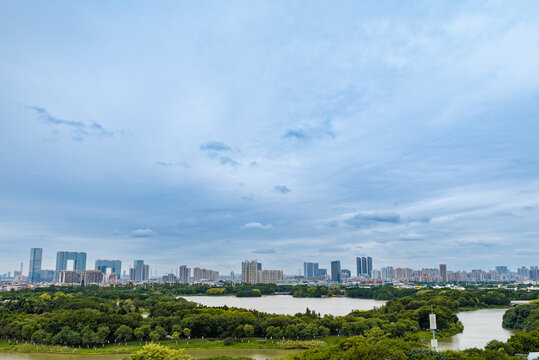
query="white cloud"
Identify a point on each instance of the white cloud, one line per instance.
(257, 225)
(142, 233)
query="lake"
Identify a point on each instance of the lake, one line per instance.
(480, 326)
(289, 305)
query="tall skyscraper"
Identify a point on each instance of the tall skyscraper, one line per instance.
(310, 270)
(139, 272)
(502, 270)
(359, 266)
(249, 270)
(115, 266)
(184, 275)
(34, 272)
(336, 271)
(443, 272)
(62, 257)
(364, 266)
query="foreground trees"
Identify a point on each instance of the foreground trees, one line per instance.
(156, 352)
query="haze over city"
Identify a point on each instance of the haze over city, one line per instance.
(207, 134)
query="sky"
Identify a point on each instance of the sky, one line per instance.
(206, 133)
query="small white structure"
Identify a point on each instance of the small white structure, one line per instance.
(533, 356)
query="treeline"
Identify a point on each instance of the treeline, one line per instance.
(94, 315)
(376, 344)
(523, 317)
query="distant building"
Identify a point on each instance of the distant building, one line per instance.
(403, 274)
(111, 278)
(62, 257)
(249, 271)
(310, 270)
(91, 277)
(34, 272)
(336, 271)
(69, 276)
(534, 273)
(345, 274)
(388, 272)
(47, 275)
(139, 272)
(502, 270)
(200, 274)
(184, 274)
(364, 266)
(115, 266)
(270, 276)
(169, 278)
(443, 272)
(322, 273)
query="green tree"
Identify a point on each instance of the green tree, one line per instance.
(123, 333)
(157, 352)
(41, 337)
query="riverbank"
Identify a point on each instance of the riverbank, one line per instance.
(133, 346)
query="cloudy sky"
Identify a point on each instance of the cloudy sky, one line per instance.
(205, 133)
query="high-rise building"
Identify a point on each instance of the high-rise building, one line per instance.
(388, 272)
(249, 271)
(91, 277)
(69, 276)
(322, 273)
(364, 266)
(115, 266)
(139, 272)
(443, 272)
(502, 270)
(534, 273)
(269, 276)
(34, 272)
(403, 274)
(62, 257)
(184, 275)
(345, 274)
(47, 275)
(310, 270)
(336, 271)
(200, 274)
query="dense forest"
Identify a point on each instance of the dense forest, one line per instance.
(93, 315)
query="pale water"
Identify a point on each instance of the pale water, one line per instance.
(480, 326)
(289, 305)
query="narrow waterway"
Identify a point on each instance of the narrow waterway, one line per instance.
(480, 326)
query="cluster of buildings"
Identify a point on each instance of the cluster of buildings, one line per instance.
(71, 269)
(252, 273)
(365, 272)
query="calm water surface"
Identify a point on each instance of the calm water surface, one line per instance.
(480, 326)
(289, 305)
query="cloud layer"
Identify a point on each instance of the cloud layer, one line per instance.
(406, 132)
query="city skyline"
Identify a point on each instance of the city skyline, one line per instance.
(345, 263)
(406, 132)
